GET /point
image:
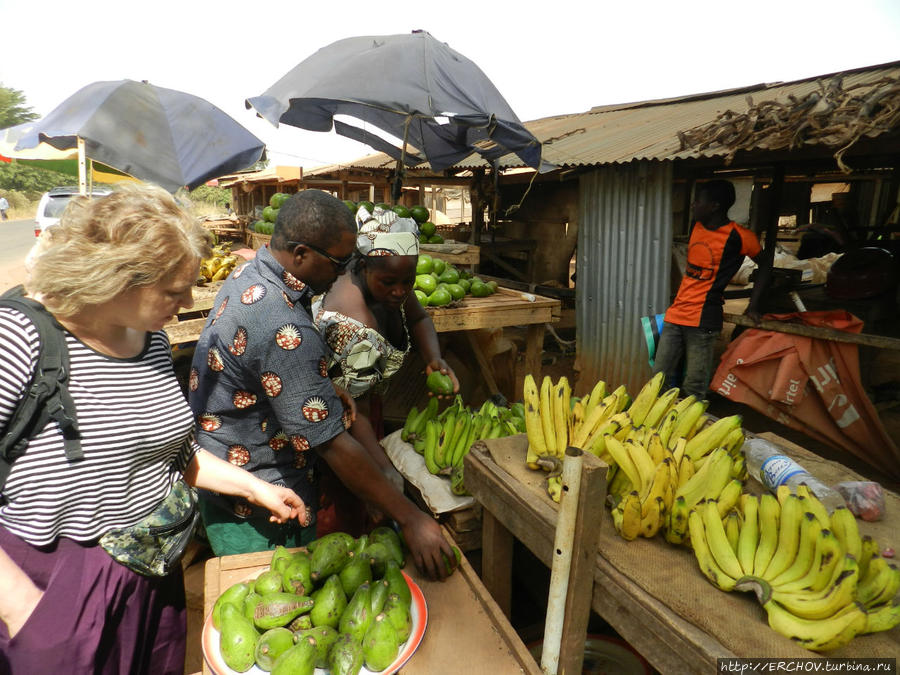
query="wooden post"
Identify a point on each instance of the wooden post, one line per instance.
(496, 560)
(534, 348)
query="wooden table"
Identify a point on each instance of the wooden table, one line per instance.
(665, 637)
(506, 307)
(466, 631)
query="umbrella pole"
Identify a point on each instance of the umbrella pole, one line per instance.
(82, 171)
(398, 180)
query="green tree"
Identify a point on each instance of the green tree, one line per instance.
(30, 180)
(211, 195)
(13, 108)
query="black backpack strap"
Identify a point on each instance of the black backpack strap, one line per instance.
(47, 397)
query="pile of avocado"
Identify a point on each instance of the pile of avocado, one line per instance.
(270, 214)
(439, 283)
(340, 604)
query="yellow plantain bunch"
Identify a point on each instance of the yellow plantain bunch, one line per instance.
(218, 266)
(819, 581)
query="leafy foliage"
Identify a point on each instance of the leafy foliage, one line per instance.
(30, 180)
(211, 195)
(13, 109)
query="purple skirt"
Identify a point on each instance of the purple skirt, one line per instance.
(96, 615)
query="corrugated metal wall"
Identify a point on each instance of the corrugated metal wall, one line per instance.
(622, 267)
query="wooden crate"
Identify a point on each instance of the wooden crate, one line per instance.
(466, 630)
(471, 255)
(257, 240)
(506, 307)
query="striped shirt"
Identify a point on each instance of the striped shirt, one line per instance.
(136, 435)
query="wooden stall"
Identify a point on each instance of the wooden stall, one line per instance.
(466, 631)
(506, 307)
(650, 592)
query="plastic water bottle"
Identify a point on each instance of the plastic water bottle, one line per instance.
(769, 464)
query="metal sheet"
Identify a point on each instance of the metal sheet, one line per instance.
(622, 263)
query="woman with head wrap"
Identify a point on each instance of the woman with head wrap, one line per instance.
(371, 319)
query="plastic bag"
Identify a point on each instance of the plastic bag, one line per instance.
(865, 499)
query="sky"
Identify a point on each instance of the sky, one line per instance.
(546, 58)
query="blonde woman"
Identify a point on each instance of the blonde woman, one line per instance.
(112, 273)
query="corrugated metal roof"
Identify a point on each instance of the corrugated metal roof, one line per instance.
(649, 129)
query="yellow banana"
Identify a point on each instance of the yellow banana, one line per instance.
(749, 537)
(728, 498)
(665, 427)
(593, 420)
(738, 467)
(576, 420)
(656, 487)
(843, 523)
(826, 550)
(598, 393)
(806, 550)
(868, 549)
(641, 461)
(717, 540)
(712, 436)
(537, 446)
(815, 634)
(560, 415)
(769, 515)
(812, 504)
(684, 404)
(732, 525)
(623, 459)
(827, 602)
(554, 488)
(652, 518)
(883, 618)
(631, 516)
(684, 425)
(782, 492)
(734, 441)
(831, 565)
(677, 522)
(655, 448)
(705, 559)
(547, 416)
(710, 479)
(788, 538)
(883, 586)
(645, 399)
(678, 452)
(659, 409)
(622, 398)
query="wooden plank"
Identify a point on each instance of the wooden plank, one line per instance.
(504, 308)
(817, 332)
(496, 561)
(471, 255)
(180, 332)
(592, 492)
(487, 371)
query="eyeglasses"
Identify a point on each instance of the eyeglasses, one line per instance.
(339, 263)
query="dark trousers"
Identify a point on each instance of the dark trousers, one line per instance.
(694, 347)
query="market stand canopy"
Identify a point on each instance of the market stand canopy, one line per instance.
(157, 135)
(413, 87)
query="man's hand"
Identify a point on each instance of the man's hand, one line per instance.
(426, 543)
(441, 365)
(347, 400)
(283, 502)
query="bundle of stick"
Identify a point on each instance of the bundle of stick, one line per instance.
(832, 115)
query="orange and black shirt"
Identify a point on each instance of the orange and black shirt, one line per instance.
(714, 256)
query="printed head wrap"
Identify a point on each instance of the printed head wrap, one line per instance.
(382, 232)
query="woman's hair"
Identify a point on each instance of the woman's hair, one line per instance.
(102, 246)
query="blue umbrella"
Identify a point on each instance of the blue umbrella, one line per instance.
(412, 86)
(157, 135)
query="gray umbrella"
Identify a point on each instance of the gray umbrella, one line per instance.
(412, 86)
(158, 135)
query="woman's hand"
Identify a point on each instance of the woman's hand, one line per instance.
(283, 502)
(441, 365)
(426, 544)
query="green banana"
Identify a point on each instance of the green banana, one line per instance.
(428, 412)
(432, 429)
(408, 424)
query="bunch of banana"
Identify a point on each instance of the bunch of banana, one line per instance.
(444, 439)
(819, 581)
(219, 265)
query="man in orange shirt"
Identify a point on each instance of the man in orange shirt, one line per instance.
(694, 320)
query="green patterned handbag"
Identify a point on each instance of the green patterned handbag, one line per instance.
(154, 545)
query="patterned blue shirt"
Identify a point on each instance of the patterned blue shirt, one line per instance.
(259, 385)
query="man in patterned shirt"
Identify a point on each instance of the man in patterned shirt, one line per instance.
(260, 389)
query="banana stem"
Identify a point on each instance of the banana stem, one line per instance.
(562, 559)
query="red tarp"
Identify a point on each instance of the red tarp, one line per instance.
(808, 384)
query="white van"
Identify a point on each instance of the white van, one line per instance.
(54, 202)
